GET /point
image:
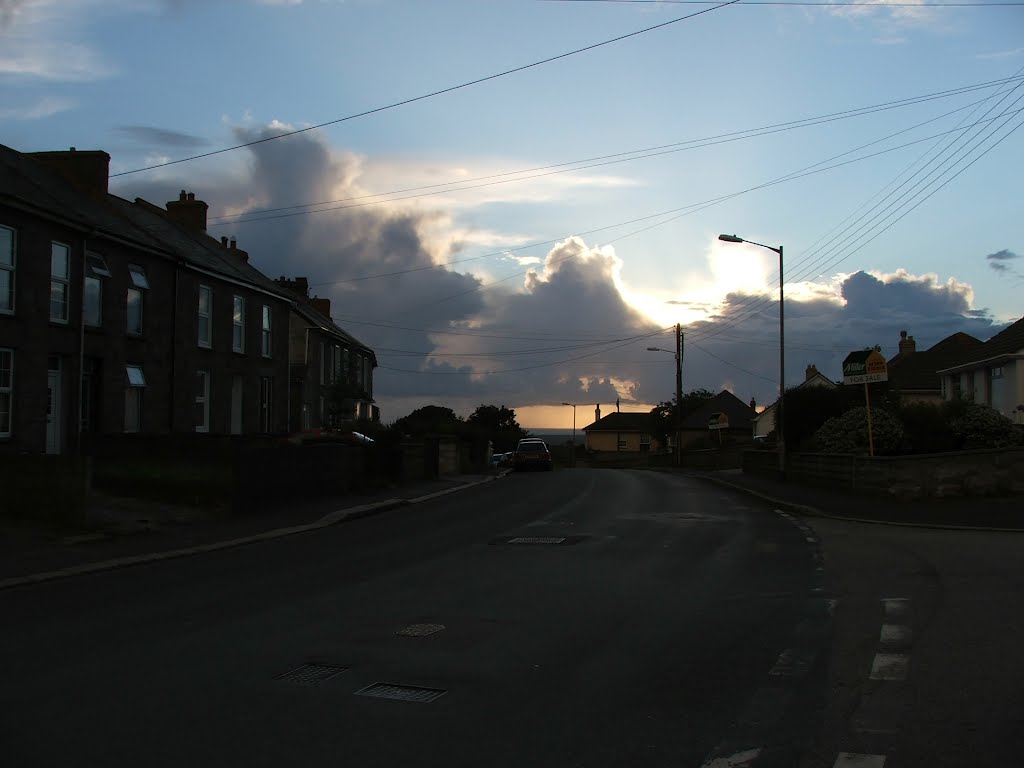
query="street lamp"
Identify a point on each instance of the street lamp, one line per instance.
(779, 415)
(573, 444)
(679, 391)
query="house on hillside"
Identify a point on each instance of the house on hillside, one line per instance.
(734, 419)
(913, 375)
(991, 373)
(120, 316)
(322, 354)
(621, 433)
(764, 422)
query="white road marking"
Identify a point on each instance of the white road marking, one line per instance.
(890, 666)
(738, 760)
(896, 607)
(895, 633)
(855, 760)
(793, 662)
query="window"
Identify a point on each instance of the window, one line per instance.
(134, 300)
(997, 372)
(60, 277)
(238, 324)
(337, 363)
(133, 398)
(96, 269)
(345, 365)
(205, 303)
(623, 445)
(323, 364)
(266, 331)
(6, 269)
(6, 390)
(266, 403)
(202, 412)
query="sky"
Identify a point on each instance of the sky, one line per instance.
(511, 200)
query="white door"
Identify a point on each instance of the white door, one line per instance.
(53, 409)
(236, 405)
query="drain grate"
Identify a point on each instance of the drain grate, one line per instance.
(309, 674)
(401, 692)
(420, 630)
(537, 540)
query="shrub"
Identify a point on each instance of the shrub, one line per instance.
(927, 429)
(982, 427)
(849, 433)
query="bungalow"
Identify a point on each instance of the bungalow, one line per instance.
(729, 415)
(621, 433)
(913, 376)
(991, 374)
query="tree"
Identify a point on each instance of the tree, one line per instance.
(664, 413)
(340, 400)
(807, 408)
(497, 424)
(428, 419)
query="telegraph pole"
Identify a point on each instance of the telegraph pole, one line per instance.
(679, 394)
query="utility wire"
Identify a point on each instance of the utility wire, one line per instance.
(585, 163)
(422, 97)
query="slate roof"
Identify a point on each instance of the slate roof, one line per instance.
(314, 317)
(917, 372)
(1008, 341)
(623, 422)
(740, 414)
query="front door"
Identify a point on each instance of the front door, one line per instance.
(53, 403)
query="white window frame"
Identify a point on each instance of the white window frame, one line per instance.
(997, 372)
(238, 324)
(205, 317)
(139, 285)
(203, 400)
(60, 281)
(7, 389)
(8, 265)
(96, 268)
(337, 363)
(267, 338)
(133, 393)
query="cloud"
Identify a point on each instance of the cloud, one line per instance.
(535, 334)
(1009, 54)
(44, 107)
(997, 261)
(9, 11)
(161, 137)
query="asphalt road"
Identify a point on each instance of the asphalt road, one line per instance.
(674, 624)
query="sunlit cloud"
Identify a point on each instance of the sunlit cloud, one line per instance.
(43, 108)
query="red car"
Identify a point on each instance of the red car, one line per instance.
(532, 454)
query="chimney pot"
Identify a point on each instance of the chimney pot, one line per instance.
(907, 344)
(181, 195)
(234, 243)
(224, 241)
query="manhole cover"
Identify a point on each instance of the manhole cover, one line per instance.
(308, 674)
(537, 540)
(419, 630)
(401, 692)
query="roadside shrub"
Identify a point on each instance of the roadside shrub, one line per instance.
(982, 427)
(849, 433)
(927, 428)
(808, 408)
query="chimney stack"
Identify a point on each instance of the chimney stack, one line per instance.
(323, 306)
(89, 171)
(597, 412)
(753, 404)
(907, 344)
(188, 212)
(299, 286)
(810, 372)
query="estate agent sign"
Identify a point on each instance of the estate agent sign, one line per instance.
(864, 367)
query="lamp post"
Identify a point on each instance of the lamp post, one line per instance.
(679, 391)
(573, 444)
(779, 414)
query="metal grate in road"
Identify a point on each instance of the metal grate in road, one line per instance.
(310, 674)
(537, 540)
(401, 692)
(420, 630)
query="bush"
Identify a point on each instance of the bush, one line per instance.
(982, 427)
(807, 408)
(849, 433)
(927, 428)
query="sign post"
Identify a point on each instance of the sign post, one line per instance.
(718, 421)
(865, 367)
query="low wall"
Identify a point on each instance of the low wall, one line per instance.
(49, 488)
(997, 471)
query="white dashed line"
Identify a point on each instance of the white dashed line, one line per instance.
(896, 607)
(738, 760)
(855, 760)
(890, 666)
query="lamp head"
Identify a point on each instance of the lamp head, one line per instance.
(731, 239)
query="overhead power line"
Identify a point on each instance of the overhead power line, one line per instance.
(820, 3)
(509, 177)
(424, 96)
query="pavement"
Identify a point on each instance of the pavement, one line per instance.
(120, 532)
(985, 513)
(123, 532)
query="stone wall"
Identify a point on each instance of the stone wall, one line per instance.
(998, 471)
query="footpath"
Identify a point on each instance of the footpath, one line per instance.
(992, 513)
(124, 532)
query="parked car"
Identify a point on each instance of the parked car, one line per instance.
(532, 454)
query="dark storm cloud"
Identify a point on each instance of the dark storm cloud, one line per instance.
(159, 137)
(997, 261)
